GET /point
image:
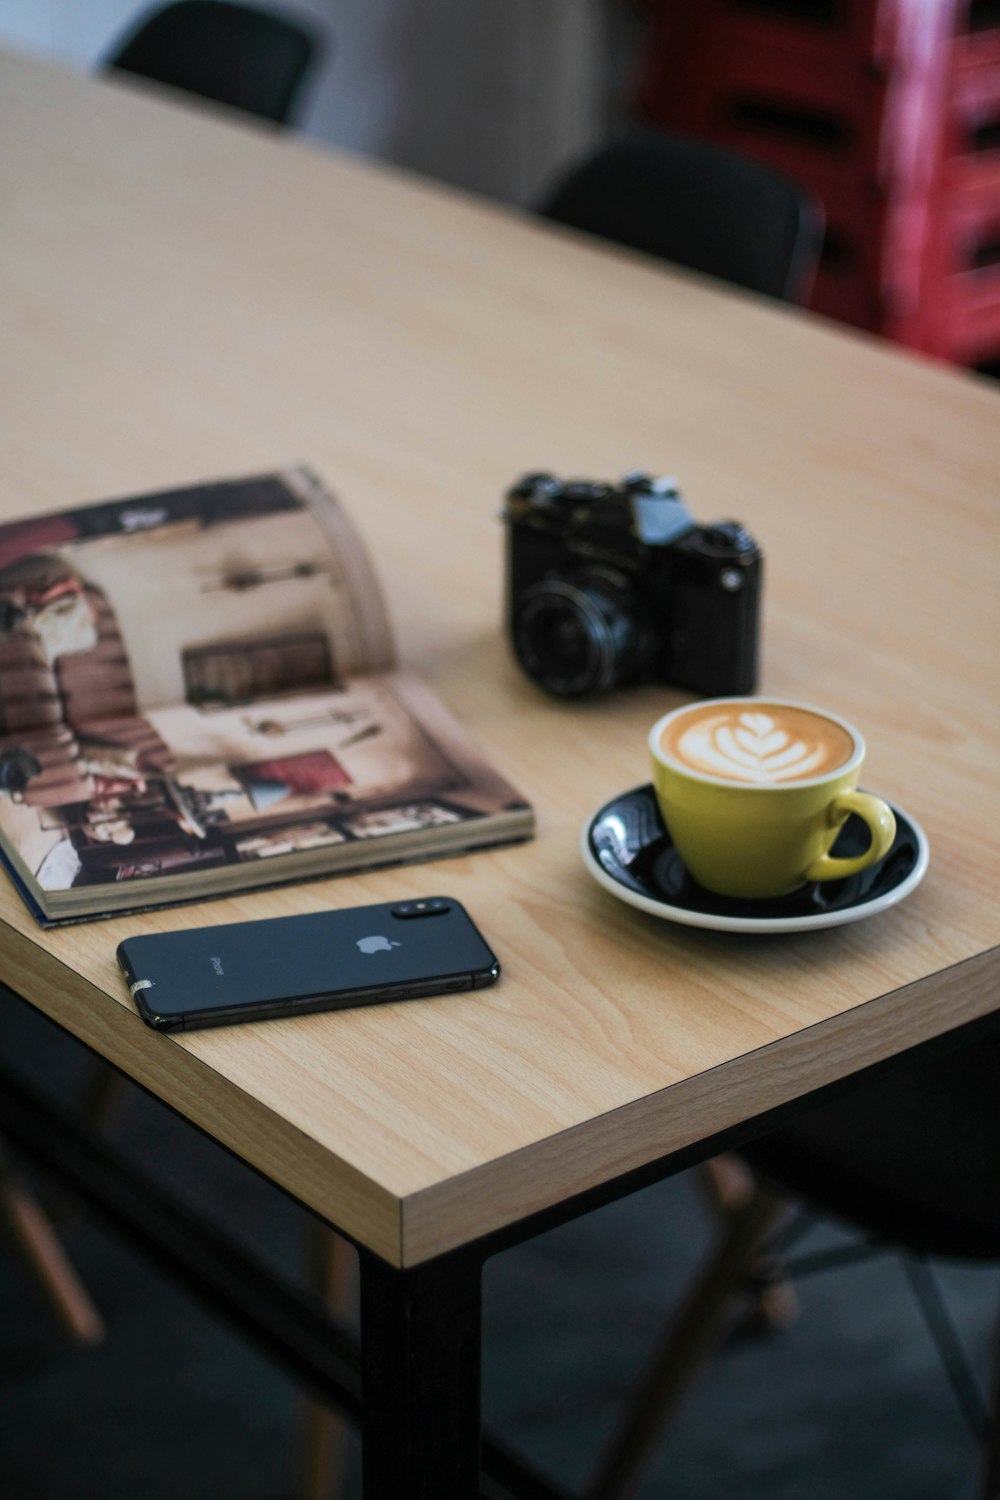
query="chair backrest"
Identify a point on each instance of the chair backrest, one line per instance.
(697, 205)
(910, 1157)
(238, 55)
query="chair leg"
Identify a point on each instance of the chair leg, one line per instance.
(47, 1261)
(321, 1436)
(102, 1098)
(692, 1334)
(728, 1185)
(33, 1229)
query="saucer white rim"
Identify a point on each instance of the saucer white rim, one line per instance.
(717, 922)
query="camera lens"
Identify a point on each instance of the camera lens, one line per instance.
(576, 637)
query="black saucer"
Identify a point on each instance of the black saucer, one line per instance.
(628, 850)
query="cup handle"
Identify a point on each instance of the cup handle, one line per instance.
(881, 825)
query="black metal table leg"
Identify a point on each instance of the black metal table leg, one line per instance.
(421, 1341)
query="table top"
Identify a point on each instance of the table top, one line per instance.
(188, 297)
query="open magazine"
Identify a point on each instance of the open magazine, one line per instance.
(198, 695)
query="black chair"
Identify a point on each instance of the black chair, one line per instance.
(697, 205)
(911, 1160)
(249, 59)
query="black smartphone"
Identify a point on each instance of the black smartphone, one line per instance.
(286, 966)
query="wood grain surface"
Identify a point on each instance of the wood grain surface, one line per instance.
(184, 298)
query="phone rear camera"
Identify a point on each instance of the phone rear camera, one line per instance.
(433, 906)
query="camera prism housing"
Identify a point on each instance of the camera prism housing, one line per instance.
(614, 584)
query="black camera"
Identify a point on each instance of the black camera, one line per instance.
(608, 584)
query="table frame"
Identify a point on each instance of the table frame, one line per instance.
(413, 1378)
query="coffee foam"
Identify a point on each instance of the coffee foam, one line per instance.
(763, 744)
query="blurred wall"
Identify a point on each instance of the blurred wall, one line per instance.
(492, 95)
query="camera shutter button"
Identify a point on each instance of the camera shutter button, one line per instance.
(730, 536)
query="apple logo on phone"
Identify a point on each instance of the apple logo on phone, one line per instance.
(376, 945)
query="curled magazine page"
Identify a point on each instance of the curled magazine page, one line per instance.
(369, 623)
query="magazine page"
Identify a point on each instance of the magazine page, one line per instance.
(214, 787)
(114, 607)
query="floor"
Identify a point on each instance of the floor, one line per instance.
(850, 1402)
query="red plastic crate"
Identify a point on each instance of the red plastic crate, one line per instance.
(972, 119)
(863, 102)
(888, 111)
(692, 39)
(961, 287)
(959, 312)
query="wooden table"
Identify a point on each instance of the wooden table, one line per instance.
(183, 298)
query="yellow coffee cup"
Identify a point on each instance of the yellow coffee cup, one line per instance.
(755, 790)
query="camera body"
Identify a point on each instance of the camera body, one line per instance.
(609, 584)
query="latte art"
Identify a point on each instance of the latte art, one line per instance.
(764, 744)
